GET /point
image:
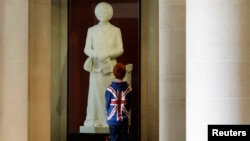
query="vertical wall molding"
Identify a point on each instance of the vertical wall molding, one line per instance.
(39, 70)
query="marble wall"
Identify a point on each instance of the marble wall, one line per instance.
(59, 70)
(33, 48)
(33, 51)
(172, 66)
(39, 70)
(218, 65)
(14, 70)
(149, 71)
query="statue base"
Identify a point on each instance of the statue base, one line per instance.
(88, 129)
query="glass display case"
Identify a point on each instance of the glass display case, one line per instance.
(81, 16)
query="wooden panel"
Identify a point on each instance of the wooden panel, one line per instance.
(81, 16)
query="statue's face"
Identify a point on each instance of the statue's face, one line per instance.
(103, 14)
(104, 11)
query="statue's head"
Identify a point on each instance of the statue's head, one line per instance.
(103, 11)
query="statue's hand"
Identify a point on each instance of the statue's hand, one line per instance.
(94, 55)
(103, 57)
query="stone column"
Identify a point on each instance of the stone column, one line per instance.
(13, 70)
(149, 71)
(218, 65)
(172, 70)
(40, 70)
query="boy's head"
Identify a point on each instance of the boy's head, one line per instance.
(119, 71)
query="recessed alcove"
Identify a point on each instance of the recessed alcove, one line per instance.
(69, 81)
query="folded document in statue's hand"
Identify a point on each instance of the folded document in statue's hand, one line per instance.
(107, 66)
(88, 64)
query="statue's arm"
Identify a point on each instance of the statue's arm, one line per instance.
(88, 49)
(118, 49)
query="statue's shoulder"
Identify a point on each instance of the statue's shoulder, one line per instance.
(114, 27)
(93, 27)
(97, 28)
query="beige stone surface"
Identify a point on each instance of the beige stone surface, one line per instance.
(217, 65)
(27, 79)
(39, 70)
(13, 70)
(172, 65)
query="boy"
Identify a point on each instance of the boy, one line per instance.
(118, 100)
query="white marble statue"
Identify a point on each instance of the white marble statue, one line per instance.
(103, 46)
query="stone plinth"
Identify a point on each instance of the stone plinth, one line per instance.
(88, 129)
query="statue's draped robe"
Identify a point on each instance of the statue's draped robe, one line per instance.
(105, 41)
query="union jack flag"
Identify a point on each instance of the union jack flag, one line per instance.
(119, 101)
